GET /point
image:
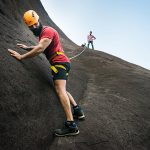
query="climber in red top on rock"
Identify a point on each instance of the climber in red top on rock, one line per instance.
(50, 45)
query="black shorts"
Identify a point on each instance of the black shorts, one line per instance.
(62, 73)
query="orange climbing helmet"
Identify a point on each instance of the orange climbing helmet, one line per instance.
(30, 17)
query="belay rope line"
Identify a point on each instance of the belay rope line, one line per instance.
(78, 54)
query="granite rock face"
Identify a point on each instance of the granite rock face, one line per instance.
(114, 94)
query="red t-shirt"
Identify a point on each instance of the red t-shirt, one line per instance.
(55, 45)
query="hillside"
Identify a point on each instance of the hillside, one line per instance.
(114, 94)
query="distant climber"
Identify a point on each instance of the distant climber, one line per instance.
(50, 45)
(90, 39)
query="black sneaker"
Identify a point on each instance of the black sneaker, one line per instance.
(78, 112)
(70, 129)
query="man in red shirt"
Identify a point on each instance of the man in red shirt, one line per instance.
(50, 45)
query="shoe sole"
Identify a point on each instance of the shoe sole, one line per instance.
(79, 117)
(68, 134)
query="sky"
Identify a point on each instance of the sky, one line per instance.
(121, 27)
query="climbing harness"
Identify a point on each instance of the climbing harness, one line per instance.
(54, 68)
(55, 54)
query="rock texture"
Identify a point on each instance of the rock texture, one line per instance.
(114, 94)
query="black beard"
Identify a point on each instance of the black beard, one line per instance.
(37, 31)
